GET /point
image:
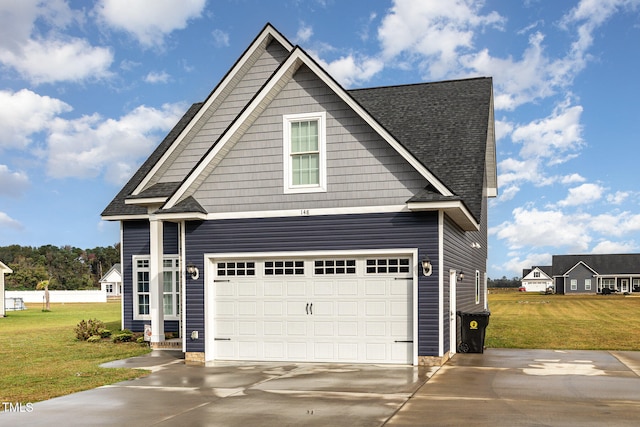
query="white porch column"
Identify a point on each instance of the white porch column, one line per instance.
(156, 304)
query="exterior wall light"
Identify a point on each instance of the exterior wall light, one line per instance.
(427, 269)
(193, 271)
(461, 276)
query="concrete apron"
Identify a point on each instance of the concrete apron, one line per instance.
(235, 394)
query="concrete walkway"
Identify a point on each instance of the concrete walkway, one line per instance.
(497, 388)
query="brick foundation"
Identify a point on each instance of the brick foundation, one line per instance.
(194, 358)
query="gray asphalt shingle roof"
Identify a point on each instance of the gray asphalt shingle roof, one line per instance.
(601, 263)
(444, 125)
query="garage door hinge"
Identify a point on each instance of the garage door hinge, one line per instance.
(410, 341)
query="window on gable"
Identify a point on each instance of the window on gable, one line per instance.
(304, 153)
(536, 274)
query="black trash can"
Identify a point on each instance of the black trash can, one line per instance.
(472, 331)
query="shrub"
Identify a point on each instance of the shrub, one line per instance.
(85, 329)
(94, 338)
(123, 336)
(104, 333)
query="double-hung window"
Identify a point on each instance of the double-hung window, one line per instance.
(304, 153)
(170, 287)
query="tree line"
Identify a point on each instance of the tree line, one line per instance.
(504, 282)
(65, 267)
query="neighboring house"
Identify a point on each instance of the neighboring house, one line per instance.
(596, 273)
(288, 219)
(537, 279)
(3, 270)
(111, 282)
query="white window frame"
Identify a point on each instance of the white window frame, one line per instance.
(175, 292)
(587, 284)
(574, 284)
(288, 119)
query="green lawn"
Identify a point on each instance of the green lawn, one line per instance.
(41, 359)
(587, 322)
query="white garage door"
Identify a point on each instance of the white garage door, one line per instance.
(318, 309)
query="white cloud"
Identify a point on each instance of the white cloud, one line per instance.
(12, 183)
(349, 70)
(24, 113)
(433, 33)
(553, 136)
(615, 224)
(583, 194)
(48, 56)
(304, 33)
(157, 77)
(572, 179)
(618, 197)
(7, 222)
(609, 247)
(220, 38)
(89, 146)
(149, 21)
(535, 228)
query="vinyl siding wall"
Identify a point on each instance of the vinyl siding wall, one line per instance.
(459, 255)
(362, 169)
(254, 74)
(136, 242)
(317, 233)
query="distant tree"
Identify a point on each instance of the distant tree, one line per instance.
(64, 267)
(504, 282)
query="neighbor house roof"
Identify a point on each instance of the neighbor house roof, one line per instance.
(602, 264)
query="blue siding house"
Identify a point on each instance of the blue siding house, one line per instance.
(286, 218)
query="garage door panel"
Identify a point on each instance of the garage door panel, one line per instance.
(296, 288)
(347, 287)
(348, 308)
(248, 328)
(274, 289)
(375, 287)
(376, 308)
(353, 314)
(273, 308)
(297, 328)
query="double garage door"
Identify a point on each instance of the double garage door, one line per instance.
(319, 309)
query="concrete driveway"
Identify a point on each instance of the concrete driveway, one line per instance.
(499, 387)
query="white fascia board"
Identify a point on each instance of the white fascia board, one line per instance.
(146, 201)
(4, 269)
(307, 212)
(419, 167)
(184, 216)
(269, 31)
(123, 217)
(454, 208)
(490, 154)
(274, 83)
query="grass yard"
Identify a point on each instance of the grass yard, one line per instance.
(563, 322)
(41, 358)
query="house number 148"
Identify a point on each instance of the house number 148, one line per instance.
(304, 212)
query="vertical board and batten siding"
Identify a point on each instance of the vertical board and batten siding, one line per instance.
(224, 110)
(136, 242)
(362, 168)
(317, 233)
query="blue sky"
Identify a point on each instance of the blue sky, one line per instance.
(88, 89)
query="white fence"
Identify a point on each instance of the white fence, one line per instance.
(58, 296)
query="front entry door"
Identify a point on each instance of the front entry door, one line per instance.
(624, 285)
